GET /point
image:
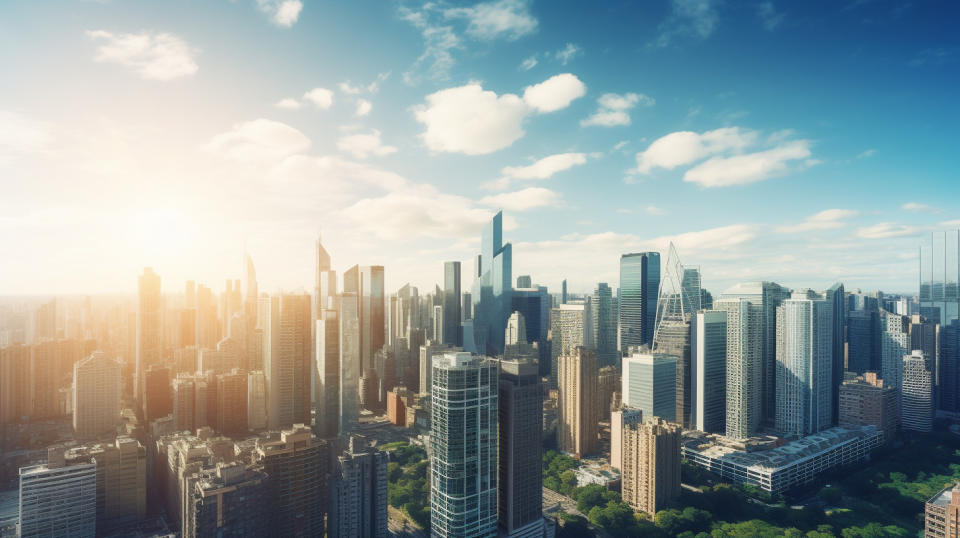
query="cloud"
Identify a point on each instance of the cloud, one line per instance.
(696, 18)
(346, 88)
(749, 168)
(260, 140)
(545, 167)
(282, 13)
(950, 224)
(439, 42)
(508, 19)
(523, 200)
(288, 104)
(919, 208)
(362, 146)
(867, 153)
(529, 63)
(686, 147)
(363, 107)
(769, 16)
(322, 98)
(159, 56)
(885, 230)
(613, 109)
(824, 220)
(468, 119)
(567, 53)
(555, 93)
(654, 210)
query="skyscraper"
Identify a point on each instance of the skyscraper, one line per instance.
(709, 371)
(520, 440)
(894, 344)
(359, 504)
(327, 376)
(14, 383)
(149, 328)
(452, 333)
(367, 283)
(745, 338)
(804, 364)
(524, 281)
(835, 295)
(491, 292)
(940, 277)
(256, 400)
(535, 303)
(349, 365)
(572, 327)
(651, 464)
(639, 285)
(649, 384)
(97, 388)
(287, 363)
(463, 442)
(578, 402)
(230, 500)
(916, 393)
(863, 341)
(604, 325)
(232, 403)
(57, 499)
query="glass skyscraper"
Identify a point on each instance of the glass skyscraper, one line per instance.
(940, 303)
(604, 325)
(491, 292)
(639, 285)
(452, 334)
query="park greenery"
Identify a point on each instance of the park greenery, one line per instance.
(408, 481)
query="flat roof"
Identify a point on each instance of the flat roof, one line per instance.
(944, 497)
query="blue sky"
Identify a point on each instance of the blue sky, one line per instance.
(803, 142)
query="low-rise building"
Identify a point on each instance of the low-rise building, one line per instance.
(942, 514)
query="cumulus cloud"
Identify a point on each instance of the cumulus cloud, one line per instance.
(260, 140)
(468, 119)
(613, 109)
(824, 220)
(364, 145)
(748, 168)
(885, 230)
(523, 199)
(282, 12)
(321, 98)
(686, 147)
(154, 56)
(363, 107)
(654, 210)
(545, 167)
(288, 104)
(508, 19)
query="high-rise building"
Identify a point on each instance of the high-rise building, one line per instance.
(709, 371)
(428, 350)
(865, 401)
(745, 356)
(620, 419)
(185, 400)
(463, 443)
(520, 439)
(649, 384)
(256, 400)
(563, 292)
(836, 297)
(491, 292)
(916, 393)
(121, 479)
(149, 329)
(436, 332)
(894, 344)
(948, 371)
(208, 327)
(157, 395)
(535, 303)
(286, 360)
(14, 383)
(650, 477)
(349, 367)
(298, 465)
(57, 499)
(232, 403)
(452, 333)
(863, 341)
(572, 327)
(804, 364)
(766, 296)
(939, 277)
(327, 376)
(605, 325)
(229, 500)
(524, 281)
(97, 388)
(367, 283)
(942, 514)
(639, 285)
(44, 379)
(578, 403)
(608, 383)
(516, 330)
(359, 504)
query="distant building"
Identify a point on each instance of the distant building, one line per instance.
(350, 363)
(256, 401)
(942, 514)
(327, 373)
(863, 341)
(14, 383)
(604, 325)
(578, 402)
(229, 500)
(491, 292)
(520, 423)
(916, 393)
(648, 384)
(359, 504)
(157, 393)
(864, 400)
(149, 331)
(232, 403)
(572, 327)
(121, 480)
(452, 333)
(97, 388)
(608, 382)
(428, 350)
(397, 402)
(57, 499)
(287, 364)
(650, 477)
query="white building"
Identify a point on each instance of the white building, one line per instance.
(709, 371)
(744, 365)
(916, 393)
(96, 396)
(804, 364)
(571, 327)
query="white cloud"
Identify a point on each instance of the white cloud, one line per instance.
(509, 19)
(885, 230)
(950, 223)
(867, 153)
(696, 18)
(567, 53)
(346, 88)
(824, 220)
(159, 56)
(749, 168)
(545, 167)
(322, 98)
(363, 107)
(282, 12)
(523, 200)
(654, 210)
(288, 104)
(769, 16)
(362, 146)
(613, 109)
(919, 208)
(686, 147)
(529, 63)
(555, 93)
(260, 140)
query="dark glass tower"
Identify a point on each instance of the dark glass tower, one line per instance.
(452, 334)
(639, 284)
(491, 292)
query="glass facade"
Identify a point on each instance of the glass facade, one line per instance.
(639, 284)
(491, 292)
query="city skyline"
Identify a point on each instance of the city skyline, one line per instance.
(135, 138)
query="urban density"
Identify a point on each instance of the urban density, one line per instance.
(274, 332)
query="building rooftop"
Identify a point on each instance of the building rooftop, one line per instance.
(945, 496)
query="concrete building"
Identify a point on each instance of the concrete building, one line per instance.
(229, 500)
(398, 400)
(97, 388)
(709, 371)
(578, 403)
(864, 400)
(256, 401)
(648, 383)
(463, 445)
(287, 364)
(620, 419)
(359, 504)
(571, 327)
(58, 500)
(349, 367)
(231, 406)
(916, 393)
(894, 344)
(608, 382)
(44, 379)
(157, 394)
(14, 383)
(121, 480)
(650, 476)
(745, 364)
(520, 424)
(942, 514)
(149, 331)
(326, 399)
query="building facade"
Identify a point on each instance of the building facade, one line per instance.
(578, 403)
(650, 475)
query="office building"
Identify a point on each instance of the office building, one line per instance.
(916, 393)
(865, 401)
(648, 384)
(578, 402)
(57, 499)
(804, 364)
(121, 472)
(97, 388)
(942, 513)
(287, 365)
(208, 325)
(639, 287)
(227, 356)
(863, 341)
(939, 277)
(572, 327)
(428, 351)
(524, 281)
(491, 292)
(367, 283)
(229, 500)
(44, 379)
(604, 325)
(451, 304)
(836, 297)
(232, 393)
(709, 371)
(359, 504)
(516, 331)
(327, 374)
(463, 445)
(398, 400)
(349, 363)
(534, 304)
(948, 370)
(14, 383)
(650, 477)
(894, 344)
(149, 329)
(745, 341)
(520, 485)
(256, 400)
(185, 400)
(157, 395)
(608, 383)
